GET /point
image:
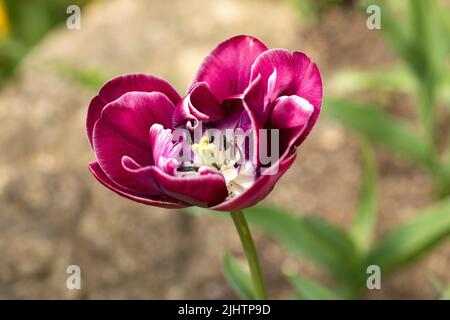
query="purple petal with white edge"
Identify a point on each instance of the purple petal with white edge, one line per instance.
(161, 201)
(206, 189)
(203, 100)
(164, 151)
(123, 129)
(118, 86)
(183, 115)
(276, 69)
(254, 100)
(94, 112)
(227, 68)
(199, 105)
(284, 73)
(259, 190)
(308, 85)
(254, 96)
(140, 178)
(291, 115)
(290, 112)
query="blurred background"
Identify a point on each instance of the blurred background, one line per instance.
(53, 213)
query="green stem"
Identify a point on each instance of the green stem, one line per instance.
(250, 252)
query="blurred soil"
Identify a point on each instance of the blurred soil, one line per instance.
(53, 212)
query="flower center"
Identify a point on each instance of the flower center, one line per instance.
(205, 153)
(225, 157)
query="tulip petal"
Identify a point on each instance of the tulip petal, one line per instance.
(288, 74)
(94, 112)
(206, 189)
(291, 115)
(161, 201)
(290, 112)
(227, 68)
(235, 115)
(308, 85)
(276, 69)
(253, 99)
(140, 179)
(259, 190)
(199, 105)
(204, 101)
(254, 96)
(123, 129)
(165, 153)
(118, 86)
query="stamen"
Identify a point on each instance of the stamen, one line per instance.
(184, 168)
(225, 159)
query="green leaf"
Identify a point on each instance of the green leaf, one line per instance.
(444, 11)
(238, 279)
(382, 128)
(416, 30)
(308, 289)
(413, 239)
(443, 90)
(441, 176)
(394, 28)
(311, 238)
(436, 283)
(308, 237)
(428, 33)
(445, 294)
(394, 79)
(362, 229)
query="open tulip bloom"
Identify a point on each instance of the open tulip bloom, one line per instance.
(222, 146)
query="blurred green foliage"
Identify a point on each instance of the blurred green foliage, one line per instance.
(27, 22)
(239, 280)
(311, 9)
(308, 289)
(442, 290)
(419, 33)
(445, 294)
(344, 254)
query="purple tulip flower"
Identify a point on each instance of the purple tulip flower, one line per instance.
(241, 84)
